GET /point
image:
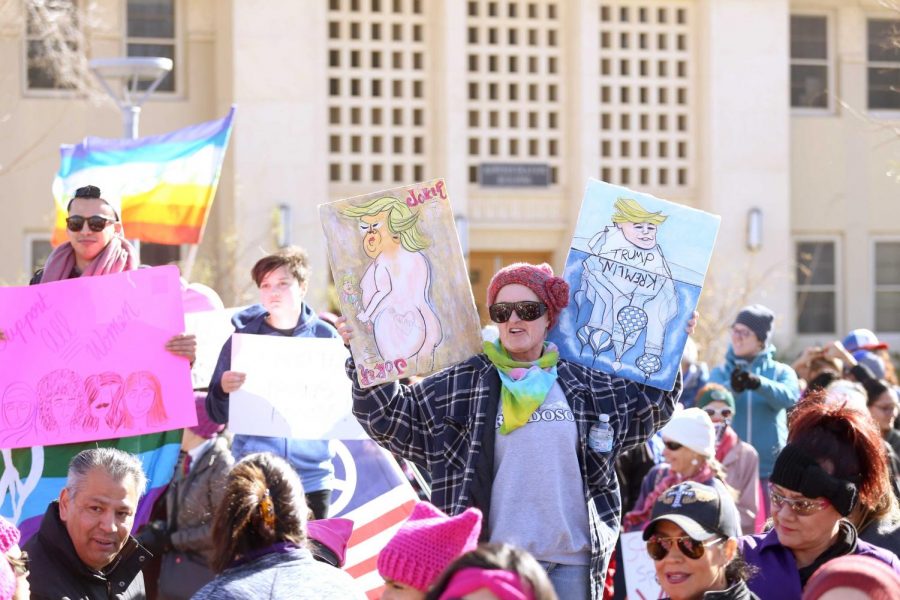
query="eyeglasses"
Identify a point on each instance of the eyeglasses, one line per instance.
(97, 223)
(673, 445)
(802, 508)
(526, 309)
(659, 547)
(741, 333)
(722, 412)
(20, 564)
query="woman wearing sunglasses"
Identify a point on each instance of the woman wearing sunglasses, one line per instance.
(738, 458)
(831, 471)
(689, 453)
(693, 541)
(13, 564)
(507, 431)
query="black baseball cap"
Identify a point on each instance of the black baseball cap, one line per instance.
(702, 511)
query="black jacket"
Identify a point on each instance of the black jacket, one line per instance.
(738, 591)
(57, 573)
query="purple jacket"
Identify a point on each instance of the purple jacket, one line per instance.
(778, 577)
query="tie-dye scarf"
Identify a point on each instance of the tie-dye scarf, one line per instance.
(525, 384)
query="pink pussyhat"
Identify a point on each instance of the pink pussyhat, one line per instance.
(426, 544)
(9, 537)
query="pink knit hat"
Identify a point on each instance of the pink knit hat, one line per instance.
(862, 573)
(552, 291)
(426, 544)
(205, 427)
(9, 537)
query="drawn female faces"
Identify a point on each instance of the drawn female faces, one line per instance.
(102, 409)
(60, 393)
(143, 400)
(17, 411)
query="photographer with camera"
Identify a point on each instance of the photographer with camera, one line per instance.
(763, 388)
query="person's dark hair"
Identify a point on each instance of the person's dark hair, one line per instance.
(263, 505)
(89, 192)
(846, 443)
(498, 556)
(739, 570)
(874, 389)
(295, 259)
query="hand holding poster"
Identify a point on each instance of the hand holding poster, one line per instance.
(212, 328)
(635, 271)
(295, 388)
(403, 287)
(84, 359)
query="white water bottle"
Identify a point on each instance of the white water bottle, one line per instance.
(600, 438)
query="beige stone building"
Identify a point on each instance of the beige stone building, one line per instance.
(780, 116)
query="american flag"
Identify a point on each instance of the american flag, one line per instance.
(371, 491)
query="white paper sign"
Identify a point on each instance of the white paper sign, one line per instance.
(640, 574)
(212, 328)
(295, 388)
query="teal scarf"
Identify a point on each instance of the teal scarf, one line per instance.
(525, 384)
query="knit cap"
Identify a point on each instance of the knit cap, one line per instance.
(865, 574)
(693, 429)
(9, 537)
(758, 319)
(205, 427)
(426, 544)
(552, 291)
(713, 392)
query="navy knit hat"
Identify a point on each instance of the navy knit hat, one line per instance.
(758, 319)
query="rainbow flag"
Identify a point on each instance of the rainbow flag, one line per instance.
(30, 478)
(166, 183)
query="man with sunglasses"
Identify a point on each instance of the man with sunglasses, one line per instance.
(739, 459)
(97, 246)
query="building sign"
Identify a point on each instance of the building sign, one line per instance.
(514, 175)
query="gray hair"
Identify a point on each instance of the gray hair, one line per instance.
(118, 464)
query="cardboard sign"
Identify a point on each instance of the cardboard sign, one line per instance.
(640, 574)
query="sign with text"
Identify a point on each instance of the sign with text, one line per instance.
(513, 175)
(640, 574)
(212, 328)
(84, 359)
(295, 388)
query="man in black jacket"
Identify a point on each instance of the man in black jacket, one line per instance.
(84, 549)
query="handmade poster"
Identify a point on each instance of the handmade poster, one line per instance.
(212, 328)
(640, 574)
(84, 359)
(295, 388)
(635, 269)
(402, 281)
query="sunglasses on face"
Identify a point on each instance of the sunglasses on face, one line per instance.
(725, 413)
(673, 445)
(801, 507)
(659, 547)
(527, 310)
(97, 223)
(19, 565)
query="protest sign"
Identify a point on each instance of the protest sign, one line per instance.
(295, 388)
(635, 269)
(84, 359)
(640, 574)
(403, 286)
(212, 328)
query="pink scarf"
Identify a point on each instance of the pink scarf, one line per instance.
(118, 256)
(729, 440)
(637, 518)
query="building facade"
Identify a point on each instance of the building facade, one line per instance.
(780, 116)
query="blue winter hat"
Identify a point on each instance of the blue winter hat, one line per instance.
(872, 361)
(758, 319)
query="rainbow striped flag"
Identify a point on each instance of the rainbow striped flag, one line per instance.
(31, 478)
(166, 183)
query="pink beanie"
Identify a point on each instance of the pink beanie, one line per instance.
(205, 427)
(426, 544)
(862, 573)
(552, 291)
(9, 537)
(332, 533)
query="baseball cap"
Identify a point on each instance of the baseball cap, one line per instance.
(702, 511)
(862, 339)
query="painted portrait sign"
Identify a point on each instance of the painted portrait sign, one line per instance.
(635, 269)
(402, 281)
(84, 359)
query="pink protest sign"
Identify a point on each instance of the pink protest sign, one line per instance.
(84, 359)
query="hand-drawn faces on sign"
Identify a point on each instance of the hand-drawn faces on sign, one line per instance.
(60, 392)
(17, 411)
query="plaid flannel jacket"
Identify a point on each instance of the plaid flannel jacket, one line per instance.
(440, 424)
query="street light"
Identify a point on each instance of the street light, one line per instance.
(132, 71)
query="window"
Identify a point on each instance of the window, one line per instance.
(151, 32)
(159, 254)
(809, 61)
(887, 286)
(39, 249)
(816, 281)
(884, 64)
(51, 38)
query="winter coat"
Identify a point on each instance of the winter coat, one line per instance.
(738, 591)
(56, 572)
(444, 423)
(694, 380)
(761, 415)
(310, 458)
(741, 466)
(291, 574)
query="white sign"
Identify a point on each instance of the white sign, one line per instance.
(295, 388)
(640, 574)
(212, 328)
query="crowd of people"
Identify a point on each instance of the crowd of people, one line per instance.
(753, 479)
